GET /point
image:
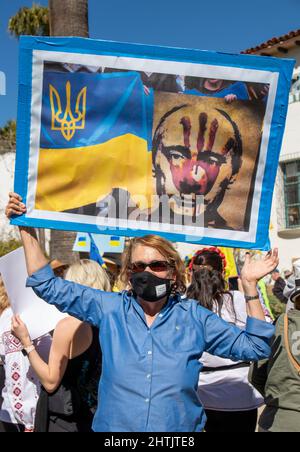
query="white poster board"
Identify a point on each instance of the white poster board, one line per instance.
(39, 317)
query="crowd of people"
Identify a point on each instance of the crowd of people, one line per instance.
(170, 348)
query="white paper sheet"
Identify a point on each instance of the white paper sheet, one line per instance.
(39, 317)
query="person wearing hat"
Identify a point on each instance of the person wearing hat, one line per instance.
(278, 378)
(279, 286)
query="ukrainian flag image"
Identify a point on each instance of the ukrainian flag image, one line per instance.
(114, 241)
(95, 136)
(82, 242)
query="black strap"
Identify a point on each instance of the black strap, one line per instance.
(232, 366)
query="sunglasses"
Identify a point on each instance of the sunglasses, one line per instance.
(155, 266)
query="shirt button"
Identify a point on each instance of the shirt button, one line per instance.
(160, 315)
(147, 400)
(149, 376)
(149, 352)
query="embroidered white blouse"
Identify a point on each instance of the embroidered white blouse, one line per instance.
(22, 387)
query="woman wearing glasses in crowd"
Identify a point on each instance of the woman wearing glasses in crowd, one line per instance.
(151, 338)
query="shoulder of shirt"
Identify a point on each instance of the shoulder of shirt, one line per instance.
(195, 307)
(114, 301)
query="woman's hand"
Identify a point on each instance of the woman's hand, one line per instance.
(14, 206)
(254, 270)
(19, 329)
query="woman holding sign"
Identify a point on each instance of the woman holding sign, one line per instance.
(151, 338)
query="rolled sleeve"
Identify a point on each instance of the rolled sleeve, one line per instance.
(79, 301)
(259, 328)
(40, 276)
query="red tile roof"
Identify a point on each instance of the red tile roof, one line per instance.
(273, 42)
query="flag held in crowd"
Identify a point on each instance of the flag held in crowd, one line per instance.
(105, 243)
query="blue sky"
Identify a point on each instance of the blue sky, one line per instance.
(229, 26)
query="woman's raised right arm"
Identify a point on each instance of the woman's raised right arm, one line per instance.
(35, 259)
(82, 302)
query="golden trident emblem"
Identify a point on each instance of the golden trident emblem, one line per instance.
(69, 122)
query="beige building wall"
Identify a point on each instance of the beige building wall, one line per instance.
(287, 240)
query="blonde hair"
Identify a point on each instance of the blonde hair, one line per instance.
(165, 248)
(88, 273)
(4, 300)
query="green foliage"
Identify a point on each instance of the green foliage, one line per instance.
(30, 21)
(8, 246)
(8, 136)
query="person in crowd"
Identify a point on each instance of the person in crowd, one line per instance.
(287, 273)
(279, 286)
(74, 363)
(2, 381)
(290, 284)
(2, 371)
(151, 338)
(21, 385)
(230, 402)
(278, 378)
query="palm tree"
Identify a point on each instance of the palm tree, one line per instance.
(8, 137)
(67, 18)
(27, 21)
(30, 21)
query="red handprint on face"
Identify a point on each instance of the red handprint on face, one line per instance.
(195, 170)
(196, 152)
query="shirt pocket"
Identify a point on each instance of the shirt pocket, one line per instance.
(181, 339)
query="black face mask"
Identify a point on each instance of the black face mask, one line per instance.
(150, 287)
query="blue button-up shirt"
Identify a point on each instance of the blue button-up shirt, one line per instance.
(150, 374)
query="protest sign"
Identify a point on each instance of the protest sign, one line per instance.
(39, 316)
(126, 139)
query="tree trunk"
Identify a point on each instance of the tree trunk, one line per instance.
(67, 18)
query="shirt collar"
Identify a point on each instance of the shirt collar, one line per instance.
(173, 299)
